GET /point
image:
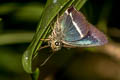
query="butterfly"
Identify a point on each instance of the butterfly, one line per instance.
(73, 30)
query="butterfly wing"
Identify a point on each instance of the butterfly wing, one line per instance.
(93, 38)
(73, 25)
(78, 32)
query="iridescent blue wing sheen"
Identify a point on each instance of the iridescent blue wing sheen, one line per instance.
(76, 31)
(93, 38)
(73, 25)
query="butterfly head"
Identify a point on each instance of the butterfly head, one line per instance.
(55, 45)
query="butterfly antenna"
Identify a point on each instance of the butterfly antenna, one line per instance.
(46, 60)
(40, 49)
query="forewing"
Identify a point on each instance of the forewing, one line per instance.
(93, 38)
(73, 24)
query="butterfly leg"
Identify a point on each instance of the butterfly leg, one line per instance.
(44, 39)
(46, 46)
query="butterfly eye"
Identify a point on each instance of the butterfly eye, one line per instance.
(57, 43)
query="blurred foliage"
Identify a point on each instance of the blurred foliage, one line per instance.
(20, 19)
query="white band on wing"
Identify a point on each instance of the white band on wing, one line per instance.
(76, 26)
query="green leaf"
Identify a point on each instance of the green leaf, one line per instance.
(49, 13)
(52, 9)
(79, 3)
(35, 75)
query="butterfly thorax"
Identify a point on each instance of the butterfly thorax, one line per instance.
(55, 38)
